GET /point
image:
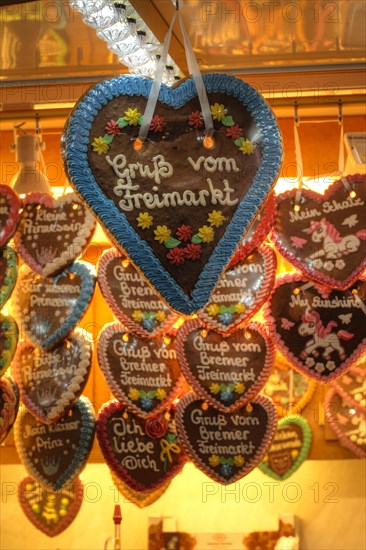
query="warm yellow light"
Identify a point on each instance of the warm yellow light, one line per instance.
(125, 337)
(208, 142)
(178, 323)
(167, 340)
(125, 263)
(352, 194)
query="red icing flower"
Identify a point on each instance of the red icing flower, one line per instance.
(192, 251)
(176, 256)
(157, 124)
(156, 427)
(184, 233)
(195, 119)
(235, 132)
(112, 128)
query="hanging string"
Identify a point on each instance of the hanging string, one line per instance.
(298, 157)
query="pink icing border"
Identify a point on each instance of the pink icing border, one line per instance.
(337, 430)
(269, 258)
(107, 332)
(270, 432)
(192, 325)
(343, 392)
(292, 359)
(292, 257)
(11, 224)
(104, 260)
(105, 412)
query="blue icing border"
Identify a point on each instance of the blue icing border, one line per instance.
(75, 142)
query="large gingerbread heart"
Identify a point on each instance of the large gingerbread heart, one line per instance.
(177, 208)
(290, 447)
(55, 454)
(50, 382)
(49, 308)
(318, 329)
(225, 446)
(8, 273)
(53, 232)
(50, 512)
(130, 297)
(8, 341)
(325, 237)
(352, 387)
(225, 371)
(9, 213)
(142, 373)
(241, 291)
(348, 423)
(145, 455)
(9, 403)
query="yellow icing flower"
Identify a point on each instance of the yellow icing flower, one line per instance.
(247, 147)
(160, 394)
(294, 453)
(206, 233)
(215, 388)
(213, 310)
(162, 233)
(218, 111)
(240, 308)
(132, 116)
(238, 460)
(214, 460)
(134, 394)
(239, 388)
(160, 316)
(100, 146)
(137, 315)
(144, 220)
(215, 218)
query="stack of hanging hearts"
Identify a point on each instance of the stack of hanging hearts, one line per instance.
(54, 434)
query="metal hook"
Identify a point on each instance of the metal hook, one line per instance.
(296, 113)
(340, 111)
(177, 5)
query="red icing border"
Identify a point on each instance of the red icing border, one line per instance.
(8, 230)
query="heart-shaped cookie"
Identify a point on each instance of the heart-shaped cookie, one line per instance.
(130, 297)
(140, 498)
(352, 387)
(55, 454)
(241, 291)
(326, 237)
(142, 373)
(144, 459)
(290, 447)
(8, 341)
(177, 208)
(225, 371)
(53, 232)
(9, 403)
(225, 446)
(318, 329)
(9, 213)
(49, 308)
(50, 382)
(50, 512)
(8, 273)
(348, 423)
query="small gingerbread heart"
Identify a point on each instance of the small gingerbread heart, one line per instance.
(9, 403)
(50, 512)
(8, 273)
(226, 371)
(8, 341)
(290, 448)
(131, 298)
(55, 454)
(9, 213)
(142, 373)
(225, 446)
(352, 387)
(53, 232)
(50, 382)
(241, 291)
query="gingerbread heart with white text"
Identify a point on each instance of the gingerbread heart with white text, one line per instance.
(318, 329)
(130, 297)
(8, 273)
(225, 446)
(226, 371)
(9, 403)
(8, 341)
(176, 208)
(50, 382)
(53, 232)
(324, 236)
(9, 213)
(54, 454)
(142, 373)
(49, 308)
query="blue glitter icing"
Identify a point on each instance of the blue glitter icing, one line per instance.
(76, 161)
